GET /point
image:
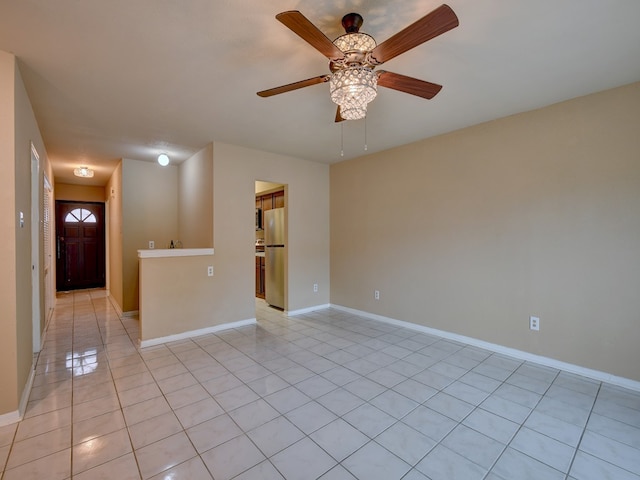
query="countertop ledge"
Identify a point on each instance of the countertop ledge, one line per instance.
(174, 252)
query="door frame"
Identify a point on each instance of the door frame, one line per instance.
(60, 222)
(48, 234)
(272, 188)
(35, 251)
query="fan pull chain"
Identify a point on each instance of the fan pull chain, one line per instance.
(342, 139)
(365, 134)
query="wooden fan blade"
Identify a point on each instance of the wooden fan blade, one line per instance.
(338, 116)
(294, 86)
(439, 21)
(406, 84)
(306, 30)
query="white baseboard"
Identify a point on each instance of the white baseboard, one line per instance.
(47, 321)
(17, 415)
(196, 333)
(130, 313)
(493, 347)
(293, 313)
(43, 334)
(27, 391)
(9, 418)
(115, 305)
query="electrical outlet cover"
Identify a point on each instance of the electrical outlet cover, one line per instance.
(534, 323)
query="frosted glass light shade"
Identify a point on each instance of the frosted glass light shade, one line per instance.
(163, 159)
(84, 172)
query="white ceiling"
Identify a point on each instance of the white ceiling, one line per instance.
(122, 78)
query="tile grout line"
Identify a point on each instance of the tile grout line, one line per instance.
(164, 395)
(584, 430)
(135, 457)
(522, 423)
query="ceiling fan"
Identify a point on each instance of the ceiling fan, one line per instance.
(354, 56)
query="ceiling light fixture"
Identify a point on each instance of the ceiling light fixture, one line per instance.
(353, 83)
(83, 172)
(352, 89)
(163, 159)
(354, 56)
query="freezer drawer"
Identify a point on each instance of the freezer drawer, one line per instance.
(274, 276)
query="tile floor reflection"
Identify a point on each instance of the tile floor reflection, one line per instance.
(327, 395)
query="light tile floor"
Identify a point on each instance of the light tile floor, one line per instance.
(326, 395)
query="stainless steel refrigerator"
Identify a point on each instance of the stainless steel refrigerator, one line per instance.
(274, 257)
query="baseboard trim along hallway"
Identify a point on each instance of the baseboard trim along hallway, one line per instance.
(196, 333)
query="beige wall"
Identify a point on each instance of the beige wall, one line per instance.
(177, 296)
(197, 301)
(265, 186)
(195, 202)
(236, 170)
(149, 212)
(18, 129)
(8, 348)
(26, 132)
(474, 231)
(79, 193)
(113, 206)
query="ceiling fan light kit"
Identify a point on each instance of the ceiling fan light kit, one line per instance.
(352, 89)
(353, 83)
(355, 42)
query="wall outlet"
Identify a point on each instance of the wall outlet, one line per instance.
(210, 271)
(534, 323)
(152, 244)
(376, 294)
(315, 288)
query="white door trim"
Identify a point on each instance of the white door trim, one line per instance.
(35, 248)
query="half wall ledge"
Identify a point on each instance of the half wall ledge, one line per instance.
(178, 293)
(174, 252)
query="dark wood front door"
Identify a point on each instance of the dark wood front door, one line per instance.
(80, 245)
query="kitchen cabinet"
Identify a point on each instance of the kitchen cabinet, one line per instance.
(260, 277)
(278, 199)
(268, 201)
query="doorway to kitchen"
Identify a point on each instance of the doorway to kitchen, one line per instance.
(80, 245)
(271, 243)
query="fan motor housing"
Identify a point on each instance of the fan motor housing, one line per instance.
(352, 22)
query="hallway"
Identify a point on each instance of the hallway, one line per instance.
(326, 395)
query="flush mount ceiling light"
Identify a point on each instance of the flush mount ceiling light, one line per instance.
(163, 159)
(354, 56)
(83, 172)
